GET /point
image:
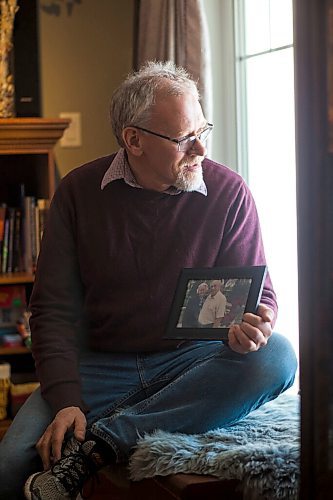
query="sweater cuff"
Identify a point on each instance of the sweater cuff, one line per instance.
(64, 395)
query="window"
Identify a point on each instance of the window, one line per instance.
(266, 139)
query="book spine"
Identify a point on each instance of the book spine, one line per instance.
(11, 218)
(17, 246)
(37, 230)
(43, 207)
(2, 229)
(21, 230)
(4, 258)
(33, 234)
(27, 235)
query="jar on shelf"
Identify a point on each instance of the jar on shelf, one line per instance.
(4, 388)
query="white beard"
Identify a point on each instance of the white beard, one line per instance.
(189, 181)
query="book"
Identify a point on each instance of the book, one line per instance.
(4, 256)
(43, 207)
(2, 229)
(21, 231)
(37, 230)
(33, 232)
(27, 247)
(17, 244)
(11, 226)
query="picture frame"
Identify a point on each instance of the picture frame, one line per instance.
(198, 311)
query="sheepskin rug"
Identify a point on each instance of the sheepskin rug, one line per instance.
(262, 451)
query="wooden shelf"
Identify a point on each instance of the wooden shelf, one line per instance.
(31, 133)
(9, 351)
(26, 159)
(16, 278)
(27, 156)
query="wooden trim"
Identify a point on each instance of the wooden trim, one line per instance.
(31, 133)
(9, 351)
(314, 177)
(16, 278)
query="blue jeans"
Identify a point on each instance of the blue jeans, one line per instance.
(198, 387)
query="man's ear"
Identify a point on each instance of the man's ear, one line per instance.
(132, 141)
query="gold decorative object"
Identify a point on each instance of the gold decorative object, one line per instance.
(8, 9)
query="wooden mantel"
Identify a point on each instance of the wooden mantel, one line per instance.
(31, 133)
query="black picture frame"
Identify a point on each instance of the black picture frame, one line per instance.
(241, 287)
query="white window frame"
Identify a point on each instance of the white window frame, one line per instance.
(229, 84)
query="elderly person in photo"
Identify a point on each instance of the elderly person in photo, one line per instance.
(194, 305)
(214, 307)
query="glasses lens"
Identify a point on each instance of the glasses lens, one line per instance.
(187, 143)
(204, 134)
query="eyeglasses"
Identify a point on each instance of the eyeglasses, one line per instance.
(184, 143)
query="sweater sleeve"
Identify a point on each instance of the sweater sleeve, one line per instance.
(56, 307)
(242, 241)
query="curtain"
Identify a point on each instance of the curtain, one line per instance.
(175, 30)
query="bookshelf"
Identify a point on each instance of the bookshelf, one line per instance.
(26, 159)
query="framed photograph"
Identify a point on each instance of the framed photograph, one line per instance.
(209, 301)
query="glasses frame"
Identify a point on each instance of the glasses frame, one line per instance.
(185, 139)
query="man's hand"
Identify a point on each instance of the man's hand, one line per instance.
(253, 332)
(49, 445)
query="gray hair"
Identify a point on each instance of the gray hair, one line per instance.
(132, 101)
(203, 286)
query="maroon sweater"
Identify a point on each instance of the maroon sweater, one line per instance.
(111, 258)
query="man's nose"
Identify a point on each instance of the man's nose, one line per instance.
(199, 148)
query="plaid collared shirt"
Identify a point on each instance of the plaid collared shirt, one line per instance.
(120, 169)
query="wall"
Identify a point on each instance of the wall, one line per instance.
(84, 56)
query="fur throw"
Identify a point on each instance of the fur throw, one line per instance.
(262, 451)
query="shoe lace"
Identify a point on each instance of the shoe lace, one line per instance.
(73, 472)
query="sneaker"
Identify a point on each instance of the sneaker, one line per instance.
(66, 478)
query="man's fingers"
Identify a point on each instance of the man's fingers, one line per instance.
(256, 333)
(80, 428)
(239, 341)
(57, 440)
(50, 444)
(253, 332)
(44, 446)
(265, 312)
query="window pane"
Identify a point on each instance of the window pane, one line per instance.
(268, 25)
(271, 167)
(257, 37)
(281, 22)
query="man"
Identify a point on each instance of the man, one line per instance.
(194, 305)
(213, 308)
(139, 216)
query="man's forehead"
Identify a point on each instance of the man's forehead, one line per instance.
(183, 104)
(179, 121)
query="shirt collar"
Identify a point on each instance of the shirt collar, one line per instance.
(120, 169)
